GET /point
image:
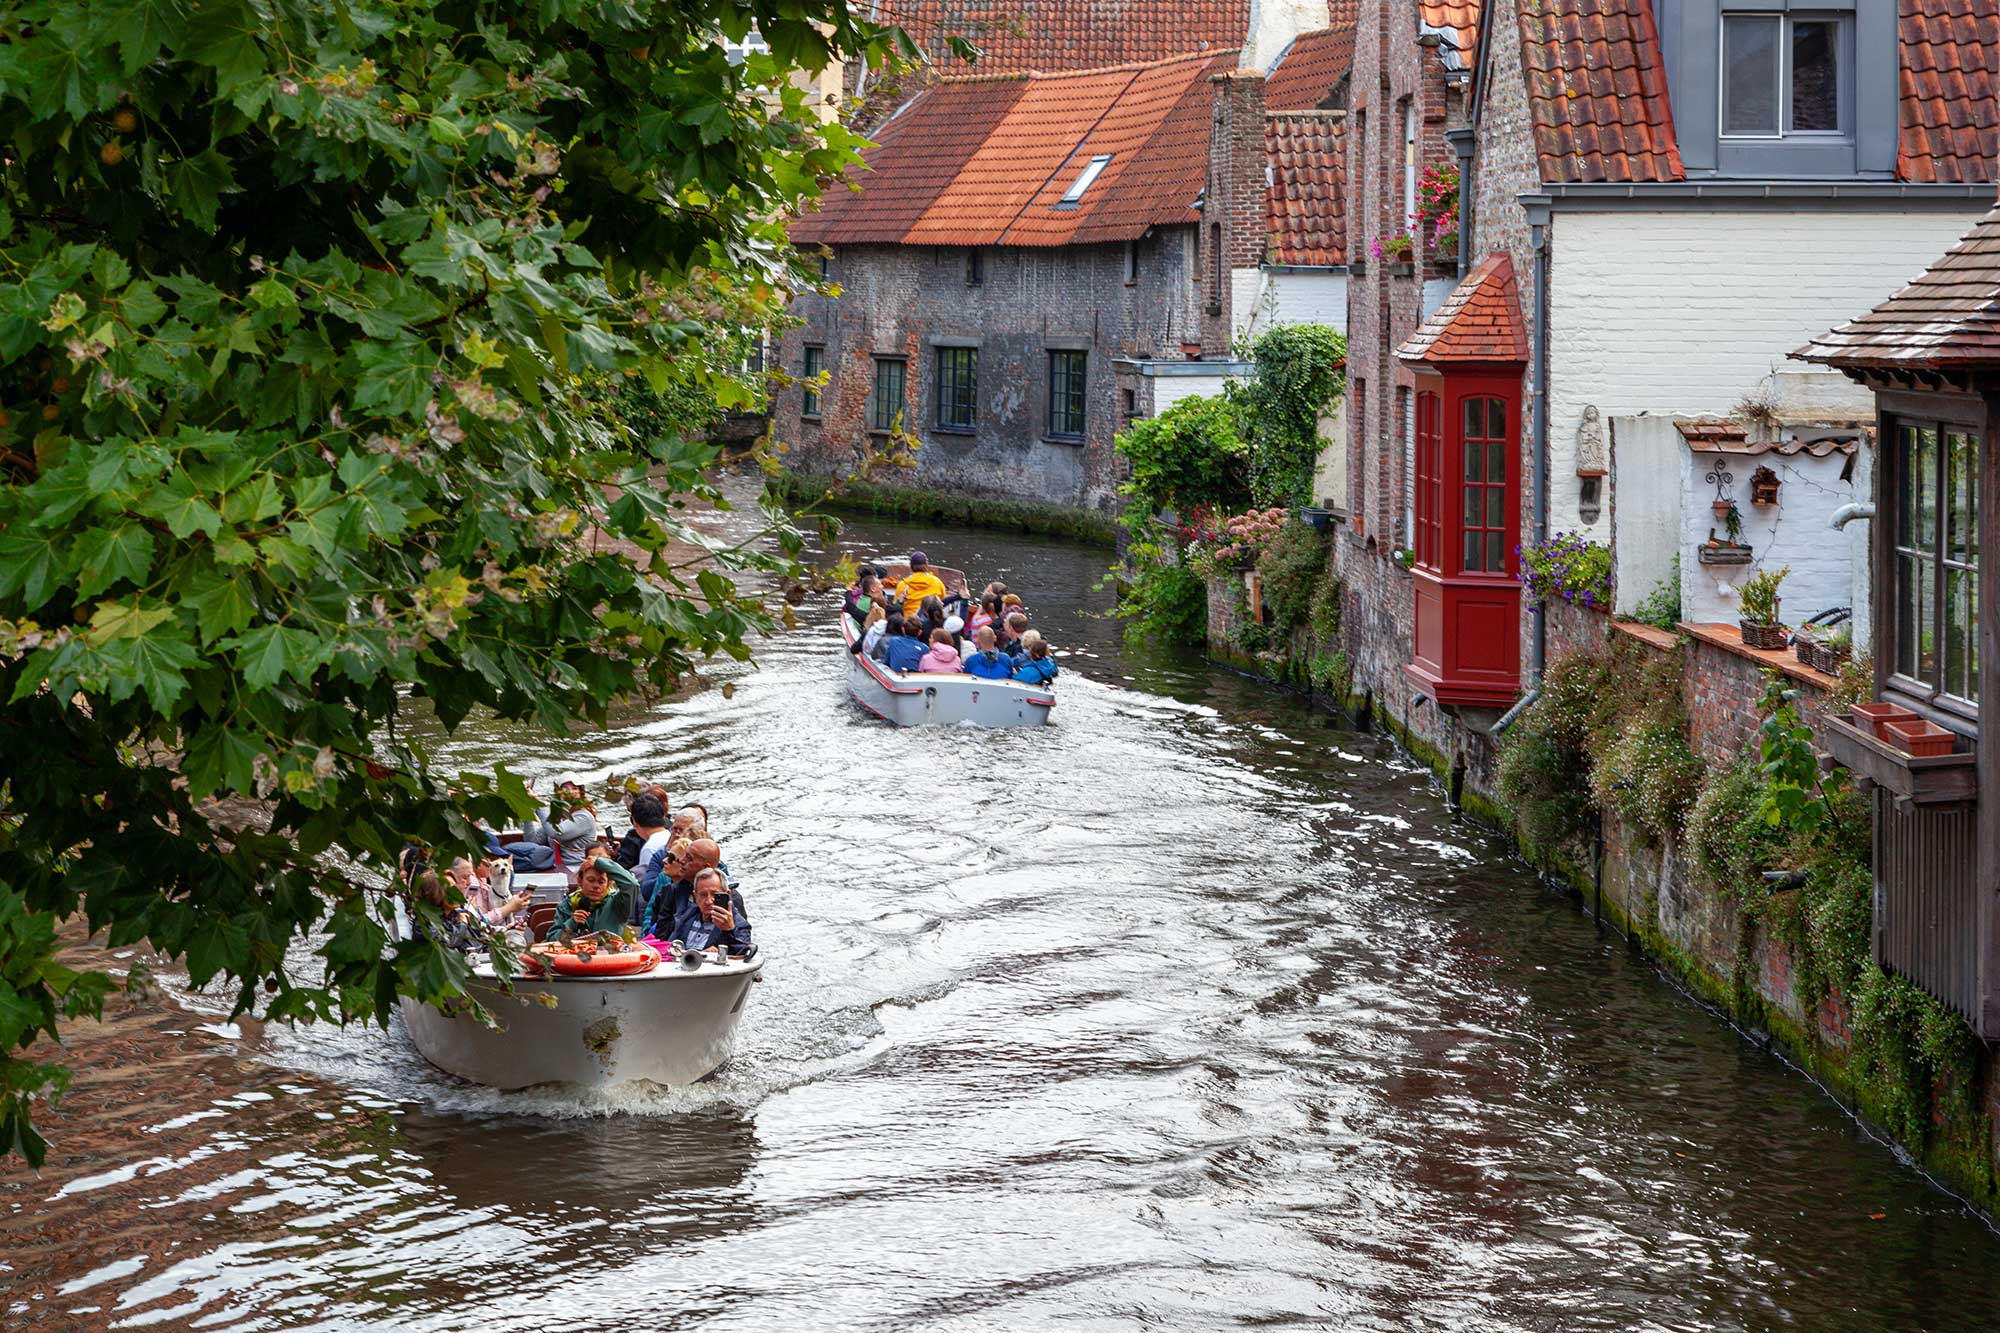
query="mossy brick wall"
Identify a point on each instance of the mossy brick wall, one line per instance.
(1723, 690)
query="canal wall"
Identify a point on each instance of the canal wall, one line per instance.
(1637, 783)
(917, 504)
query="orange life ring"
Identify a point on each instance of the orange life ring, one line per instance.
(628, 963)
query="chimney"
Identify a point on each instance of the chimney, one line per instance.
(1273, 25)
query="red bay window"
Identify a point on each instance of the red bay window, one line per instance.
(1467, 359)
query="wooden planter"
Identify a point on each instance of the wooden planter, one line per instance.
(1823, 657)
(1943, 779)
(1766, 637)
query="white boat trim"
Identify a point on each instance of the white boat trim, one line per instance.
(670, 1027)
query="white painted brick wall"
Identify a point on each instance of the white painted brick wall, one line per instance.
(1297, 298)
(1794, 532)
(1170, 389)
(1689, 312)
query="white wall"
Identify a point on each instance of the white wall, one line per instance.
(1690, 311)
(1330, 473)
(1646, 530)
(1266, 298)
(1170, 389)
(1794, 532)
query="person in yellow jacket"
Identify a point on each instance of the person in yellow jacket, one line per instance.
(918, 584)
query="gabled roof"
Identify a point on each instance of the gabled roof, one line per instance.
(1020, 36)
(1950, 122)
(1309, 68)
(1597, 91)
(1305, 210)
(1479, 322)
(1457, 19)
(986, 160)
(1949, 318)
(1598, 97)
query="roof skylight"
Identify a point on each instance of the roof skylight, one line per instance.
(1089, 174)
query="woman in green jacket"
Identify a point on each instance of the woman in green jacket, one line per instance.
(604, 898)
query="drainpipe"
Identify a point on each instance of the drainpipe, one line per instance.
(1848, 513)
(1461, 141)
(1538, 433)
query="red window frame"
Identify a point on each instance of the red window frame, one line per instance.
(1430, 485)
(1485, 467)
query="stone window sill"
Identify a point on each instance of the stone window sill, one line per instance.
(1073, 441)
(954, 430)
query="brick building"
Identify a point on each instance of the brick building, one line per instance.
(1033, 259)
(1685, 190)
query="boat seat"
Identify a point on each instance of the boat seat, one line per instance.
(541, 920)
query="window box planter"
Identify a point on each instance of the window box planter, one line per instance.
(1873, 718)
(1918, 738)
(1820, 655)
(1941, 779)
(1406, 268)
(1319, 519)
(1718, 553)
(1766, 637)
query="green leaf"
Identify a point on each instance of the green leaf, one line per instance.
(183, 509)
(33, 567)
(156, 664)
(106, 555)
(263, 656)
(223, 606)
(142, 27)
(220, 758)
(216, 944)
(195, 185)
(395, 377)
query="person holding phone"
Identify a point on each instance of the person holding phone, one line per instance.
(602, 899)
(713, 916)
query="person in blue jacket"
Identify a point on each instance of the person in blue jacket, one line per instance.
(903, 652)
(988, 663)
(713, 914)
(1035, 666)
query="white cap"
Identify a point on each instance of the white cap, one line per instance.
(952, 624)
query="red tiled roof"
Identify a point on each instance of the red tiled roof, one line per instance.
(1459, 18)
(1019, 36)
(1951, 123)
(986, 160)
(1305, 209)
(1306, 73)
(1948, 318)
(1597, 91)
(1479, 321)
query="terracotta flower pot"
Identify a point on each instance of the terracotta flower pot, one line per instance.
(1920, 739)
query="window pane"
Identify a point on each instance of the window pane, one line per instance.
(1496, 419)
(1496, 461)
(1473, 548)
(1475, 424)
(1907, 577)
(1473, 506)
(1750, 75)
(1495, 506)
(1816, 75)
(1957, 631)
(1972, 637)
(1493, 563)
(1472, 471)
(1924, 574)
(1920, 477)
(1962, 488)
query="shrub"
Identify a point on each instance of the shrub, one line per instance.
(1569, 568)
(1648, 774)
(1661, 607)
(1292, 566)
(1330, 674)
(1246, 535)
(1544, 780)
(1191, 455)
(1299, 371)
(1758, 601)
(1732, 842)
(1162, 600)
(1326, 606)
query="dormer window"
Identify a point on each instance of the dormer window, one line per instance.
(1781, 76)
(1084, 180)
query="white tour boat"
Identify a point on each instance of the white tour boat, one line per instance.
(670, 1026)
(912, 699)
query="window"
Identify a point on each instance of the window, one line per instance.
(975, 268)
(1066, 381)
(1430, 450)
(1357, 477)
(1131, 263)
(1780, 76)
(1485, 486)
(1409, 163)
(957, 388)
(825, 265)
(815, 364)
(1406, 432)
(1934, 575)
(1090, 173)
(1129, 412)
(885, 413)
(1215, 268)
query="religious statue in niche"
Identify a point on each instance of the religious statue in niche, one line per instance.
(1763, 487)
(1592, 462)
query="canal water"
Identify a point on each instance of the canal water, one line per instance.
(1193, 1011)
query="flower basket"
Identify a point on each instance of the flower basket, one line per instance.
(1767, 637)
(1820, 655)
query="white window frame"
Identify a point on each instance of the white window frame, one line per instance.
(1086, 178)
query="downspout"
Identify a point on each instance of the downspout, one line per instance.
(1462, 142)
(1537, 206)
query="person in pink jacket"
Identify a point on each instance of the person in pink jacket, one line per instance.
(942, 656)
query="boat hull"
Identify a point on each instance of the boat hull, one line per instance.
(934, 699)
(669, 1027)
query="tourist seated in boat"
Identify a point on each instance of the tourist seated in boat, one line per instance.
(872, 630)
(1010, 603)
(988, 662)
(876, 642)
(943, 657)
(496, 906)
(906, 650)
(603, 899)
(712, 914)
(988, 614)
(459, 927)
(932, 615)
(1035, 666)
(918, 584)
(864, 597)
(676, 882)
(1012, 627)
(649, 831)
(564, 844)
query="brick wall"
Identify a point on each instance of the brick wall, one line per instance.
(898, 300)
(1234, 201)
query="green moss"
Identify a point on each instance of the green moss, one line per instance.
(918, 505)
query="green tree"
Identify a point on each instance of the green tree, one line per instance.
(305, 312)
(1300, 370)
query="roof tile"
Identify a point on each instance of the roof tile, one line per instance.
(1950, 121)
(1480, 321)
(1459, 19)
(1307, 72)
(1598, 91)
(1305, 207)
(1019, 36)
(1949, 317)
